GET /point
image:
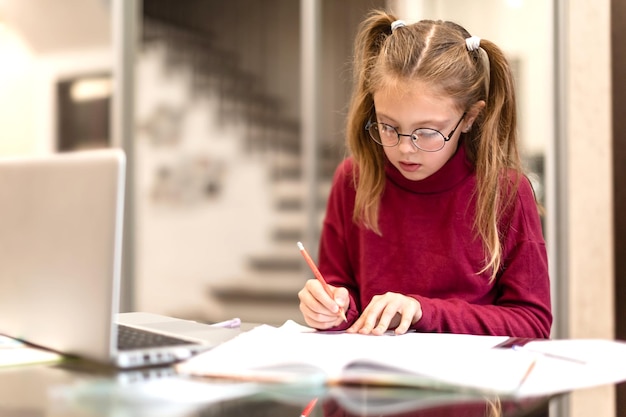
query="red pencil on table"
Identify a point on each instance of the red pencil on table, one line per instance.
(319, 276)
(309, 407)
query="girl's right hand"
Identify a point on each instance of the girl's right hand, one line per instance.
(320, 310)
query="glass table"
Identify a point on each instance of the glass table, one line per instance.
(78, 388)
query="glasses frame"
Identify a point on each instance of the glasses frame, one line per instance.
(412, 135)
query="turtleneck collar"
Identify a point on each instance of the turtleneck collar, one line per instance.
(452, 173)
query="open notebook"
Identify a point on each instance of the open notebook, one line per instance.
(458, 362)
(439, 361)
(61, 227)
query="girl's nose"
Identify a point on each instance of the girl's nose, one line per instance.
(406, 144)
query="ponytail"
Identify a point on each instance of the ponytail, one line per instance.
(494, 153)
(369, 176)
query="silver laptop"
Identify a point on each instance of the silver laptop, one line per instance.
(60, 263)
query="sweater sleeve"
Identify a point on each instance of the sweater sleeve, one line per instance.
(522, 307)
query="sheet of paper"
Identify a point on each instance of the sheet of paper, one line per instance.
(268, 353)
(566, 365)
(15, 353)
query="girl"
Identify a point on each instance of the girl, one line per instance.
(431, 224)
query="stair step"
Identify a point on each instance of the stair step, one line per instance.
(296, 187)
(289, 204)
(276, 262)
(260, 287)
(292, 168)
(288, 234)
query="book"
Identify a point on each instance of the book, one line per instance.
(442, 361)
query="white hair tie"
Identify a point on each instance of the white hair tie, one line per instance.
(397, 24)
(472, 43)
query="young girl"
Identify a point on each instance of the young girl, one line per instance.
(431, 224)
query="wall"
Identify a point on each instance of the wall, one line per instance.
(18, 95)
(586, 189)
(41, 42)
(187, 238)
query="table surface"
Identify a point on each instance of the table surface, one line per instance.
(79, 388)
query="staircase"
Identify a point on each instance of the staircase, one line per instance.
(267, 290)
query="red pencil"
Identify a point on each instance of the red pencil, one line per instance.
(309, 407)
(319, 276)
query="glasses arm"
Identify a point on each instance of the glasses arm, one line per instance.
(456, 127)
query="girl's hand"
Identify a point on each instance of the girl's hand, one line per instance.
(319, 309)
(388, 311)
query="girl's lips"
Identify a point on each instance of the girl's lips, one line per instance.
(409, 166)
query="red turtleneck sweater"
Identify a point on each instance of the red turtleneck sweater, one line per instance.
(428, 250)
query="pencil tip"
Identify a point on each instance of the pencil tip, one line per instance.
(343, 315)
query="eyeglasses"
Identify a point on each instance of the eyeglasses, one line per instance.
(425, 139)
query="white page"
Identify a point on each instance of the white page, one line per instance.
(461, 360)
(586, 363)
(452, 359)
(14, 353)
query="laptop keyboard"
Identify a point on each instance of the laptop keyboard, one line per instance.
(131, 338)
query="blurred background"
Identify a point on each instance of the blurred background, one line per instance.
(232, 116)
(237, 115)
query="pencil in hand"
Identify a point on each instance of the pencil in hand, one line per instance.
(319, 276)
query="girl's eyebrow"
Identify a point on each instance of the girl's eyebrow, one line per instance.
(383, 116)
(424, 123)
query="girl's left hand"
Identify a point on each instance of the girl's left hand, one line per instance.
(388, 311)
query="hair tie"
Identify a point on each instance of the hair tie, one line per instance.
(397, 24)
(472, 43)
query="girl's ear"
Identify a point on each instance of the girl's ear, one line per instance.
(472, 114)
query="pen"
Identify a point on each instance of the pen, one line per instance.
(309, 407)
(319, 276)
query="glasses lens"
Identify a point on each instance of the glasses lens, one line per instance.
(428, 140)
(383, 134)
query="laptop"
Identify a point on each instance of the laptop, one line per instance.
(61, 221)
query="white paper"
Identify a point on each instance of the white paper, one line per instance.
(267, 353)
(15, 353)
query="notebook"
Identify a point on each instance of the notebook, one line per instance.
(61, 218)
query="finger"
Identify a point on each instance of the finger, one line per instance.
(320, 294)
(315, 313)
(313, 295)
(405, 323)
(317, 320)
(411, 313)
(356, 326)
(371, 315)
(341, 297)
(311, 306)
(385, 320)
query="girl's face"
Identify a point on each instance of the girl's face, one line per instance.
(419, 107)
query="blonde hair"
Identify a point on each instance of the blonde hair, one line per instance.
(435, 52)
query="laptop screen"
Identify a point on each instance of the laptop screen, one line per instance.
(60, 239)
